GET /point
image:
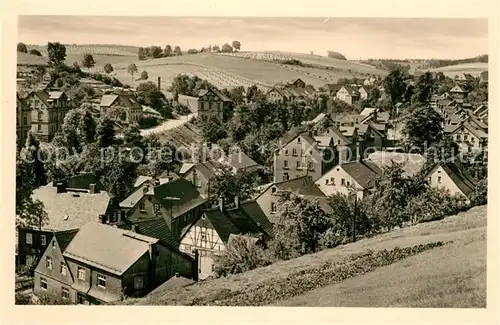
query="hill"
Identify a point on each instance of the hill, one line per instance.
(451, 275)
(473, 68)
(94, 49)
(227, 71)
(31, 60)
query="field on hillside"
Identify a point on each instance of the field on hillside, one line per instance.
(311, 59)
(120, 50)
(226, 71)
(473, 68)
(453, 275)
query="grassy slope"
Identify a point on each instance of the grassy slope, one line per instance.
(453, 275)
(473, 68)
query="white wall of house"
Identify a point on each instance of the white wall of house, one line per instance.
(440, 179)
(206, 241)
(337, 180)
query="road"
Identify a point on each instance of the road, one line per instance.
(168, 125)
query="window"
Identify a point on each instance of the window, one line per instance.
(302, 152)
(342, 182)
(298, 164)
(310, 165)
(65, 293)
(439, 179)
(298, 140)
(285, 163)
(294, 152)
(458, 136)
(273, 190)
(348, 183)
(29, 238)
(326, 181)
(43, 283)
(53, 243)
(156, 208)
(44, 240)
(332, 180)
(64, 269)
(465, 137)
(25, 120)
(273, 207)
(48, 262)
(142, 206)
(138, 282)
(81, 273)
(101, 281)
(39, 127)
(40, 115)
(286, 176)
(286, 152)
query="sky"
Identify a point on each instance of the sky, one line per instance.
(356, 38)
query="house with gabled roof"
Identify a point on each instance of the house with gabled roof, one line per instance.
(269, 197)
(48, 109)
(211, 102)
(173, 205)
(239, 161)
(302, 155)
(348, 94)
(210, 233)
(363, 92)
(123, 108)
(451, 177)
(67, 208)
(358, 176)
(103, 264)
(411, 163)
(200, 174)
(458, 92)
(469, 138)
(482, 112)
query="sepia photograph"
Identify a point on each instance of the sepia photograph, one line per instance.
(251, 161)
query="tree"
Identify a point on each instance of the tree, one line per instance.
(106, 135)
(76, 65)
(35, 52)
(148, 94)
(394, 85)
(300, 222)
(228, 185)
(212, 130)
(132, 69)
(142, 53)
(119, 176)
(56, 52)
(108, 68)
(177, 51)
(155, 52)
(88, 61)
(236, 45)
(426, 87)
(423, 127)
(167, 51)
(21, 47)
(216, 48)
(144, 75)
(336, 55)
(226, 48)
(192, 51)
(87, 128)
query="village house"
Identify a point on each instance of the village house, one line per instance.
(210, 233)
(200, 174)
(483, 77)
(363, 93)
(47, 112)
(269, 196)
(169, 206)
(369, 81)
(23, 120)
(470, 139)
(482, 113)
(122, 108)
(211, 102)
(463, 77)
(239, 162)
(458, 92)
(411, 163)
(304, 155)
(450, 177)
(348, 94)
(347, 178)
(68, 206)
(104, 264)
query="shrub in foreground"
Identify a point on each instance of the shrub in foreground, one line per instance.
(434, 204)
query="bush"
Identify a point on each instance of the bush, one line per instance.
(29, 267)
(22, 299)
(181, 109)
(480, 194)
(51, 299)
(241, 255)
(434, 204)
(148, 122)
(330, 239)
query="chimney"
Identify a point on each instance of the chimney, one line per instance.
(60, 188)
(103, 218)
(236, 201)
(159, 83)
(221, 204)
(92, 189)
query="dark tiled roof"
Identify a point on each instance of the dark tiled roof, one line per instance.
(459, 177)
(180, 188)
(365, 172)
(155, 228)
(301, 186)
(64, 238)
(253, 210)
(240, 160)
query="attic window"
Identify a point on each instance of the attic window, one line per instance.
(273, 190)
(298, 140)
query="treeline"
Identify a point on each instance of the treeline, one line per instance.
(336, 55)
(442, 63)
(155, 52)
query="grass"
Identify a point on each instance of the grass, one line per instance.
(454, 275)
(473, 68)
